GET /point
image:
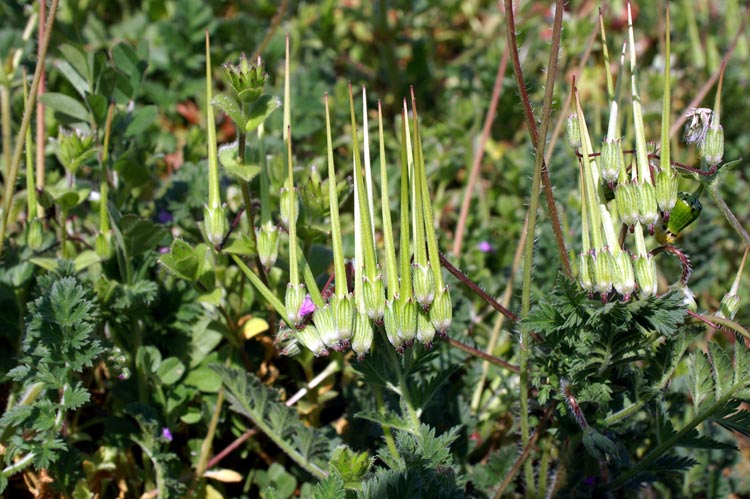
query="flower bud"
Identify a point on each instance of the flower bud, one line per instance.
(374, 297)
(35, 234)
(363, 335)
(645, 274)
(573, 132)
(623, 279)
(103, 245)
(406, 321)
(610, 160)
(648, 212)
(247, 80)
(627, 203)
(712, 147)
(603, 266)
(424, 285)
(286, 341)
(294, 299)
(268, 244)
(310, 338)
(425, 329)
(343, 314)
(74, 148)
(666, 191)
(586, 271)
(441, 311)
(284, 207)
(214, 224)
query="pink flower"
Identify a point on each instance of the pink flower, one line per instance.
(484, 247)
(307, 307)
(166, 434)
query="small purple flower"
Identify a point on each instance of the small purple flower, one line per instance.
(164, 217)
(485, 247)
(307, 307)
(166, 434)
(590, 481)
(164, 249)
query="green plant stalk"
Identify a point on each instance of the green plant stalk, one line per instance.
(265, 182)
(641, 157)
(404, 255)
(713, 192)
(10, 179)
(528, 258)
(206, 445)
(403, 390)
(589, 184)
(338, 247)
(390, 248)
(366, 158)
(421, 185)
(214, 195)
(728, 323)
(31, 206)
(387, 434)
(668, 443)
(697, 55)
(293, 258)
(63, 233)
(287, 93)
(664, 153)
(420, 245)
(605, 55)
(264, 291)
(104, 182)
(307, 276)
(5, 111)
(366, 230)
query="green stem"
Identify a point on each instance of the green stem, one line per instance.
(5, 111)
(10, 180)
(263, 290)
(387, 434)
(403, 390)
(338, 247)
(713, 192)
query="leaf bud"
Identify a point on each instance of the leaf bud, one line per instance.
(645, 274)
(712, 147)
(268, 244)
(246, 79)
(441, 311)
(214, 224)
(363, 335)
(310, 338)
(74, 148)
(573, 132)
(610, 160)
(424, 285)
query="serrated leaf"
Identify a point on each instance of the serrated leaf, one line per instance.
(700, 380)
(330, 488)
(66, 105)
(722, 369)
(140, 235)
(389, 419)
(260, 110)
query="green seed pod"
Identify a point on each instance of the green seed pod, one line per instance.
(391, 325)
(610, 160)
(363, 335)
(311, 340)
(424, 285)
(406, 321)
(686, 210)
(374, 297)
(268, 244)
(648, 211)
(246, 79)
(35, 234)
(295, 296)
(103, 245)
(586, 271)
(573, 132)
(645, 274)
(623, 278)
(603, 265)
(343, 314)
(729, 306)
(425, 329)
(441, 311)
(712, 147)
(284, 207)
(326, 326)
(666, 191)
(214, 224)
(627, 203)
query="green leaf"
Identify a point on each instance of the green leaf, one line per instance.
(86, 259)
(192, 416)
(204, 379)
(66, 105)
(229, 158)
(148, 359)
(350, 465)
(389, 419)
(181, 260)
(78, 59)
(722, 369)
(230, 107)
(170, 370)
(140, 235)
(142, 119)
(99, 107)
(260, 110)
(700, 382)
(330, 488)
(241, 245)
(74, 77)
(127, 61)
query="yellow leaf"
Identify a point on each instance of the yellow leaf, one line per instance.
(253, 327)
(223, 475)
